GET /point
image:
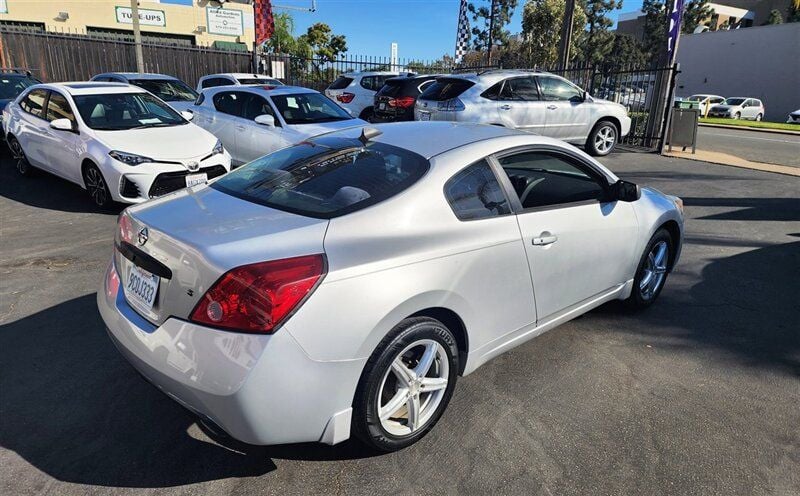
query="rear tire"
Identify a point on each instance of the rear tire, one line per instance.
(759, 117)
(406, 385)
(737, 116)
(97, 187)
(24, 168)
(602, 139)
(652, 271)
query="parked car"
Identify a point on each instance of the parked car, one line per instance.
(344, 283)
(739, 108)
(355, 91)
(235, 79)
(706, 102)
(394, 102)
(794, 117)
(117, 141)
(12, 83)
(169, 89)
(536, 102)
(252, 121)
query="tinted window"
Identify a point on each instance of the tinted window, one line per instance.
(474, 193)
(266, 81)
(59, 108)
(734, 101)
(308, 108)
(33, 102)
(542, 179)
(392, 88)
(214, 82)
(520, 89)
(493, 93)
(325, 177)
(374, 83)
(254, 105)
(167, 90)
(558, 89)
(228, 102)
(341, 83)
(118, 111)
(446, 88)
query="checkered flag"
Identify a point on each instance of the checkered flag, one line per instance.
(265, 23)
(462, 36)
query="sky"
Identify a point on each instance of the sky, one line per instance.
(423, 29)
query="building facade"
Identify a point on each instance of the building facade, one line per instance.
(224, 25)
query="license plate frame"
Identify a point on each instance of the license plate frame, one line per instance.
(141, 287)
(195, 179)
(424, 116)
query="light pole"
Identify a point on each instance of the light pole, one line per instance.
(137, 36)
(566, 35)
(491, 32)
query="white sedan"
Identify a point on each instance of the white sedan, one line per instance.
(117, 141)
(342, 285)
(252, 121)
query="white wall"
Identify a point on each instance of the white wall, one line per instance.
(761, 62)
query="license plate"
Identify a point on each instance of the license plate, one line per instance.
(424, 116)
(195, 179)
(141, 287)
(382, 106)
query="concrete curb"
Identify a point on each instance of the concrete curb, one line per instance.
(732, 161)
(756, 129)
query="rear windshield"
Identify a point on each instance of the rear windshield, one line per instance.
(392, 88)
(446, 88)
(341, 83)
(325, 177)
(167, 90)
(271, 82)
(11, 86)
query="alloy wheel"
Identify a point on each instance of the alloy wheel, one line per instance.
(605, 139)
(19, 156)
(96, 186)
(655, 270)
(413, 387)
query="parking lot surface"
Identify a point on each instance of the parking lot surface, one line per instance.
(697, 395)
(770, 148)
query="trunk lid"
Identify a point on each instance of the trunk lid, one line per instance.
(201, 233)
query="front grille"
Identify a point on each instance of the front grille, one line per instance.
(128, 188)
(168, 182)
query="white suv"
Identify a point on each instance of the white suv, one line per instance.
(355, 91)
(118, 141)
(537, 102)
(234, 79)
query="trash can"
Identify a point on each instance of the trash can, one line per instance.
(683, 127)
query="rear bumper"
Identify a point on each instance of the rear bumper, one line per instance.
(259, 389)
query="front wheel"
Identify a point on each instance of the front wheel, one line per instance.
(96, 186)
(737, 116)
(23, 166)
(406, 384)
(602, 139)
(651, 274)
(759, 117)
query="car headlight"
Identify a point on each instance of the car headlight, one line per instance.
(218, 148)
(128, 158)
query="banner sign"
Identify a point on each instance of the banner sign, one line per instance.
(265, 23)
(146, 17)
(228, 22)
(675, 18)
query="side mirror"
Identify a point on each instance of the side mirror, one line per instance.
(187, 114)
(265, 120)
(625, 191)
(62, 125)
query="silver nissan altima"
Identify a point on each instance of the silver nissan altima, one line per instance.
(341, 285)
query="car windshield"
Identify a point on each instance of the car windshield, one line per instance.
(308, 108)
(166, 89)
(734, 101)
(271, 82)
(325, 177)
(12, 86)
(119, 111)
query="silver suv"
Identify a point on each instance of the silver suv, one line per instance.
(537, 102)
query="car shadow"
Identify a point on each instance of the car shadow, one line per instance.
(44, 190)
(73, 408)
(749, 209)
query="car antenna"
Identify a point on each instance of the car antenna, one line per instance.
(367, 133)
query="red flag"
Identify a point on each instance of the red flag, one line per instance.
(265, 23)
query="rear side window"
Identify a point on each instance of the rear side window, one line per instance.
(341, 83)
(520, 89)
(33, 103)
(325, 177)
(446, 88)
(474, 193)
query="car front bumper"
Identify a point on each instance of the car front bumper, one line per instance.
(260, 389)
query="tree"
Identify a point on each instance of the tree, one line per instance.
(794, 12)
(695, 13)
(626, 51)
(480, 17)
(775, 17)
(599, 40)
(323, 43)
(655, 28)
(541, 30)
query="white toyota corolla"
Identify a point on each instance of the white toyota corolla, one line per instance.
(117, 141)
(344, 283)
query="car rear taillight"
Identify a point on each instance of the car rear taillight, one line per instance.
(451, 105)
(124, 228)
(259, 297)
(402, 102)
(345, 97)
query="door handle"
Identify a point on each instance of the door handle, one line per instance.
(552, 107)
(545, 239)
(505, 107)
(240, 128)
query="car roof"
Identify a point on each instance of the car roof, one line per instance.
(432, 138)
(263, 89)
(92, 88)
(370, 73)
(496, 75)
(138, 75)
(237, 75)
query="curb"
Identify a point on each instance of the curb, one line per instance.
(756, 129)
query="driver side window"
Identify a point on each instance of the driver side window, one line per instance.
(254, 105)
(555, 89)
(474, 193)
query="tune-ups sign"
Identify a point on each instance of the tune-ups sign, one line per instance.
(146, 17)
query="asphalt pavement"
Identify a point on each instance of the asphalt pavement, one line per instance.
(757, 146)
(697, 395)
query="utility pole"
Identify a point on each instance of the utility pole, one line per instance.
(491, 32)
(137, 36)
(566, 35)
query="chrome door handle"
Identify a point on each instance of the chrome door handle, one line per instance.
(552, 107)
(505, 107)
(549, 239)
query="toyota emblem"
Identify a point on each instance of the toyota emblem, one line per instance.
(143, 235)
(192, 166)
